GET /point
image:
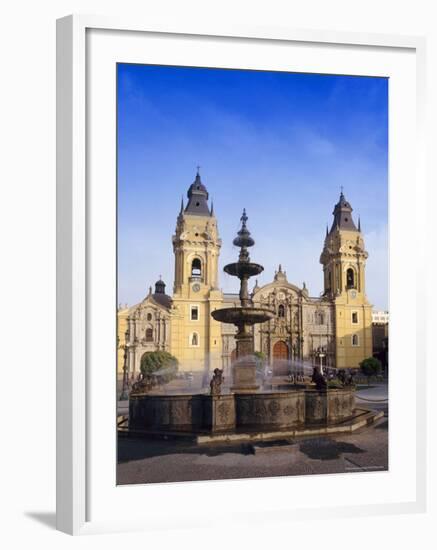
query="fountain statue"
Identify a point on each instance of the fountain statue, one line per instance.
(245, 316)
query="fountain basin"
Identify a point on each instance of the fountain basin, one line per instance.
(230, 413)
(242, 315)
(239, 269)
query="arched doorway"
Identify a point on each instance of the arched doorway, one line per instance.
(280, 359)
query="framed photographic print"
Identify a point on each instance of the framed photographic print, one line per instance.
(238, 222)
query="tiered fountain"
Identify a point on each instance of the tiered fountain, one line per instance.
(245, 316)
(246, 412)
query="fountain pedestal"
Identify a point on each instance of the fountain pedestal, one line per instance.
(244, 377)
(244, 370)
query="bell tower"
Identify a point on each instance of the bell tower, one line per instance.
(196, 337)
(196, 244)
(344, 265)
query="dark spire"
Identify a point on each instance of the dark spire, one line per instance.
(182, 205)
(359, 224)
(327, 231)
(343, 215)
(212, 208)
(197, 198)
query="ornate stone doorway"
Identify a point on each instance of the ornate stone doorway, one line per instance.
(280, 358)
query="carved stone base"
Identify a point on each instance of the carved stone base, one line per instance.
(244, 377)
(333, 405)
(166, 412)
(219, 412)
(263, 411)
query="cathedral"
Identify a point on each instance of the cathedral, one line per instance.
(334, 329)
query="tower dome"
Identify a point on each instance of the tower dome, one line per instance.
(343, 215)
(280, 275)
(159, 295)
(197, 198)
(159, 286)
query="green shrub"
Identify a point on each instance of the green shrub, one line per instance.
(371, 367)
(159, 363)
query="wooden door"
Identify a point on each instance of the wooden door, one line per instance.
(280, 359)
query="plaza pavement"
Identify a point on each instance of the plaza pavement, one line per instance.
(144, 461)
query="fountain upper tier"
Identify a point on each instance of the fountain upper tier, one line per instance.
(242, 315)
(246, 314)
(243, 269)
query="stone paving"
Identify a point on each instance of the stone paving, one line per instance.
(142, 461)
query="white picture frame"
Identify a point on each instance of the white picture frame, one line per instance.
(76, 380)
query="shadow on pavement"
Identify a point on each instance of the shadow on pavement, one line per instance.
(327, 449)
(135, 449)
(382, 425)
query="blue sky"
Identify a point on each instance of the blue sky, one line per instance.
(279, 144)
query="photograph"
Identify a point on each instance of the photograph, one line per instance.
(221, 217)
(252, 305)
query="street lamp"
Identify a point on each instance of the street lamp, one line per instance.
(124, 390)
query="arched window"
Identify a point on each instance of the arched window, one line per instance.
(196, 268)
(194, 339)
(281, 311)
(350, 278)
(355, 340)
(149, 316)
(149, 335)
(320, 318)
